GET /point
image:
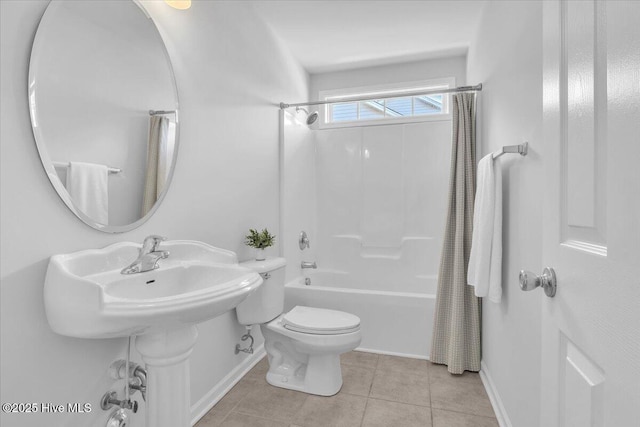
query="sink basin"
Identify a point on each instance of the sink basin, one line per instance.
(86, 296)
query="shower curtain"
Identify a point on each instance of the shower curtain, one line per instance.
(155, 175)
(456, 331)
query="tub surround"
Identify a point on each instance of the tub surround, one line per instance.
(374, 208)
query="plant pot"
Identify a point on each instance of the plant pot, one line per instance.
(261, 254)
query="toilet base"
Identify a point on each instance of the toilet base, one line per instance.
(306, 362)
(321, 375)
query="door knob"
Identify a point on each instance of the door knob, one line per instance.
(529, 281)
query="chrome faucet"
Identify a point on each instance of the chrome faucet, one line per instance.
(148, 257)
(307, 264)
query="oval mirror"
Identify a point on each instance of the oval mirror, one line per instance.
(104, 110)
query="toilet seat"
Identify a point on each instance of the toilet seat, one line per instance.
(320, 321)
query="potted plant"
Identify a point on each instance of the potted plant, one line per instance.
(259, 240)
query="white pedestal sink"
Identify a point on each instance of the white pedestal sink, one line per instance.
(86, 296)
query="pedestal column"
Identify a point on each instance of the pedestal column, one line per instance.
(166, 355)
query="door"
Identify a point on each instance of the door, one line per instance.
(591, 328)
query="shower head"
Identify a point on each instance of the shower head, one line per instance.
(311, 118)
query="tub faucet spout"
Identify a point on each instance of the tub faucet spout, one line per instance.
(307, 264)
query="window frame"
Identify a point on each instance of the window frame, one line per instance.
(381, 90)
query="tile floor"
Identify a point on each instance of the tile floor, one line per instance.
(378, 391)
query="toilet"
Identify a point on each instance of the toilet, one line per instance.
(303, 345)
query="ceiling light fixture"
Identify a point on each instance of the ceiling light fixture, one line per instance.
(179, 4)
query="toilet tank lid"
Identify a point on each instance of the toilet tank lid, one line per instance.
(269, 264)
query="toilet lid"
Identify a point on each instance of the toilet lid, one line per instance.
(320, 321)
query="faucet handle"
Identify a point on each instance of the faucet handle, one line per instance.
(303, 241)
(151, 243)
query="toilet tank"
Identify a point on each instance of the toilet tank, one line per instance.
(267, 302)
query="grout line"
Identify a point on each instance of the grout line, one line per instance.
(366, 396)
(396, 401)
(295, 416)
(373, 378)
(260, 418)
(225, 417)
(237, 403)
(233, 409)
(465, 413)
(366, 403)
(375, 370)
(401, 403)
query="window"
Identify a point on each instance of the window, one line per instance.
(387, 110)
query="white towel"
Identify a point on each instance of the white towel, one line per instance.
(87, 184)
(485, 261)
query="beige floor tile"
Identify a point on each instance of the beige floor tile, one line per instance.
(381, 413)
(271, 402)
(241, 420)
(403, 365)
(216, 415)
(456, 419)
(460, 393)
(356, 380)
(401, 387)
(359, 358)
(400, 392)
(258, 373)
(341, 410)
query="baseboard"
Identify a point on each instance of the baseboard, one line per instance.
(494, 397)
(392, 353)
(213, 396)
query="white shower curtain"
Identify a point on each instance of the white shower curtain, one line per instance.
(456, 331)
(158, 162)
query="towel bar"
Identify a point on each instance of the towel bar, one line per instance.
(521, 149)
(111, 170)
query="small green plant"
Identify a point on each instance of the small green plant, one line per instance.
(259, 239)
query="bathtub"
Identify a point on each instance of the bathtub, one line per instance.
(395, 323)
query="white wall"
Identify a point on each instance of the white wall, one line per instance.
(388, 74)
(231, 73)
(507, 58)
(298, 191)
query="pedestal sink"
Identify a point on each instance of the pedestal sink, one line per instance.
(86, 296)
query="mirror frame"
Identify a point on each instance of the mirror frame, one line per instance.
(47, 162)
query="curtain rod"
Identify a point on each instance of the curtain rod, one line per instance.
(475, 88)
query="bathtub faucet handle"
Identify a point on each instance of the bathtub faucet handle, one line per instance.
(303, 241)
(307, 264)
